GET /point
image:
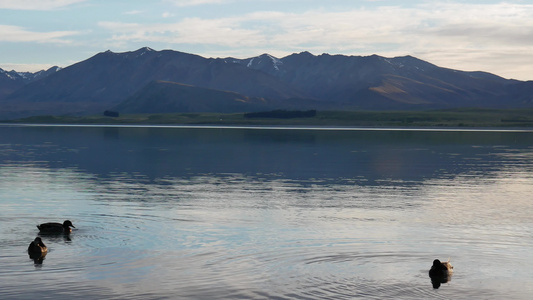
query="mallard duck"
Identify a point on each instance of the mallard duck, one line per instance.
(37, 248)
(440, 272)
(56, 227)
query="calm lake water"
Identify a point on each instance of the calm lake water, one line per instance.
(240, 213)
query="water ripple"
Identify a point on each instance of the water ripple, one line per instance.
(358, 217)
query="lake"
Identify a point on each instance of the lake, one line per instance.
(265, 213)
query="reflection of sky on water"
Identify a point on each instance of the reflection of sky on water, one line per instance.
(157, 153)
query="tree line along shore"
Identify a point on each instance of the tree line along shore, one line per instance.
(466, 117)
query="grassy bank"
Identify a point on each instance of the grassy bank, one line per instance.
(434, 118)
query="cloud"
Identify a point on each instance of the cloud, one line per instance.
(10, 33)
(196, 2)
(25, 67)
(37, 4)
(451, 34)
(223, 32)
(132, 12)
(509, 63)
(363, 28)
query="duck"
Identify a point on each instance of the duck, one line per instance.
(56, 227)
(440, 272)
(37, 248)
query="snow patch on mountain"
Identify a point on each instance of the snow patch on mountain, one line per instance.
(27, 77)
(12, 75)
(249, 65)
(275, 61)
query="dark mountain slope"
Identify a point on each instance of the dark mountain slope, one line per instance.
(520, 93)
(298, 81)
(164, 96)
(109, 78)
(10, 81)
(405, 79)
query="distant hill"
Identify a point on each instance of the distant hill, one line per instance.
(377, 82)
(164, 96)
(146, 80)
(11, 81)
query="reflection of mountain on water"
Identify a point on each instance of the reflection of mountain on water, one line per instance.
(294, 154)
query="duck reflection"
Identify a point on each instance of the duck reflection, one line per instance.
(37, 259)
(37, 250)
(56, 237)
(440, 272)
(55, 230)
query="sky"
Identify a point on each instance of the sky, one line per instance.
(492, 36)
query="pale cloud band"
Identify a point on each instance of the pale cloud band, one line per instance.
(36, 4)
(25, 67)
(196, 2)
(388, 29)
(493, 37)
(18, 34)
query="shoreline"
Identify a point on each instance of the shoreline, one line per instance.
(455, 119)
(273, 127)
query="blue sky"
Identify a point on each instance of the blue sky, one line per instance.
(491, 36)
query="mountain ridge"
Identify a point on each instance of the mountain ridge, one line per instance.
(299, 81)
(12, 80)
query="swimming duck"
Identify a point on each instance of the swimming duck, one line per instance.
(37, 248)
(56, 227)
(440, 272)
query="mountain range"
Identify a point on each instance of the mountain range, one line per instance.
(149, 81)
